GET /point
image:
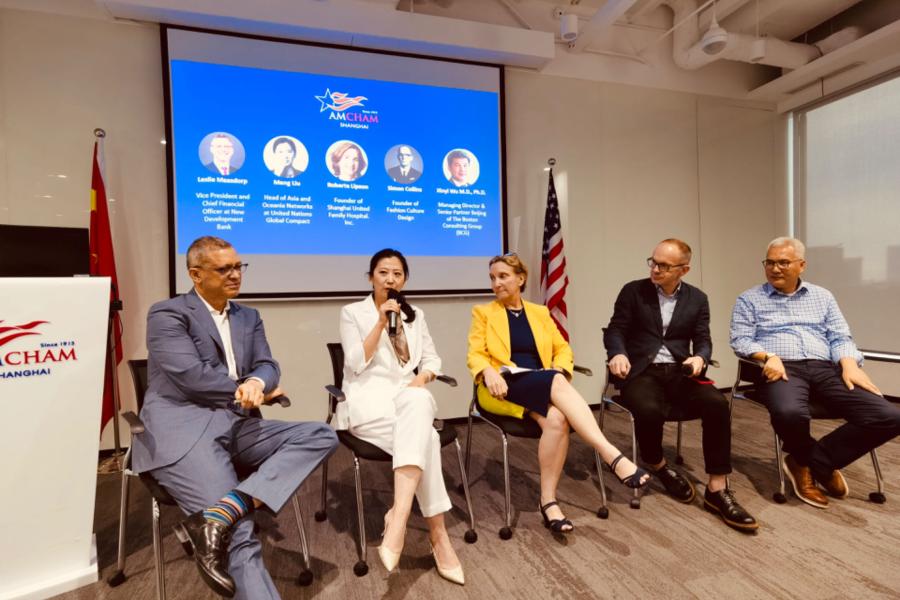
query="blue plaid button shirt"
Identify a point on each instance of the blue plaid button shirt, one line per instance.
(806, 325)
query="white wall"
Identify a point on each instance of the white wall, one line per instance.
(635, 165)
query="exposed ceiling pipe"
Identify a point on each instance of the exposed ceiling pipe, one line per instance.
(689, 53)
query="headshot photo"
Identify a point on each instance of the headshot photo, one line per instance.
(403, 163)
(221, 153)
(346, 160)
(285, 156)
(461, 167)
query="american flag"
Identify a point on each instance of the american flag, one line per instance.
(553, 263)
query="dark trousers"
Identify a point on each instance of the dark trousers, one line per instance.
(871, 420)
(662, 393)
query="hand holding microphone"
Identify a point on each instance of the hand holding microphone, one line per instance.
(393, 315)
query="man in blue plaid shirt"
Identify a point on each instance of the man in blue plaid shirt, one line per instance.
(797, 331)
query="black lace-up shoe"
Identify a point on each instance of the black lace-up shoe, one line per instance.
(676, 484)
(210, 541)
(724, 504)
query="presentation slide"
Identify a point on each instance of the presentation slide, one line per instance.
(309, 159)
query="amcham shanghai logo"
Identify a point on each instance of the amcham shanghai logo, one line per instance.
(31, 361)
(340, 107)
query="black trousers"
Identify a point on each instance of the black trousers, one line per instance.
(661, 391)
(871, 420)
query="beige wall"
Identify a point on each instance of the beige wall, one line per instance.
(635, 165)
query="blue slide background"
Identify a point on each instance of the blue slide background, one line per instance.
(255, 105)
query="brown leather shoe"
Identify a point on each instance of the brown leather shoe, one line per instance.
(804, 486)
(836, 486)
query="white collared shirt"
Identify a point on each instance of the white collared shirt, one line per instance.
(666, 309)
(224, 328)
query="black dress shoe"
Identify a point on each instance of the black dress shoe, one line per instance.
(724, 504)
(210, 540)
(676, 484)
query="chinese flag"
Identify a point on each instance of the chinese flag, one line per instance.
(103, 264)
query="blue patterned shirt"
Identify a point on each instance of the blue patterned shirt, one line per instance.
(805, 325)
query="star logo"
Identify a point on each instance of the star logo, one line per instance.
(338, 101)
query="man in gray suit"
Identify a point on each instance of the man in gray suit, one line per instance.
(209, 366)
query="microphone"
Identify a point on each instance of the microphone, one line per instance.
(392, 316)
(687, 370)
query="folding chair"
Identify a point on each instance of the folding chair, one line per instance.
(365, 450)
(159, 496)
(523, 428)
(611, 401)
(748, 377)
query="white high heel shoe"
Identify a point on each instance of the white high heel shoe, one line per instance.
(389, 558)
(455, 574)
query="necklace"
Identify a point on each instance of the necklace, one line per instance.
(516, 313)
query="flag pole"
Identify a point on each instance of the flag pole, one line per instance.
(112, 464)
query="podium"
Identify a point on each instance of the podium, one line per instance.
(53, 334)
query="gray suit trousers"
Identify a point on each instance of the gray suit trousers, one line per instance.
(275, 456)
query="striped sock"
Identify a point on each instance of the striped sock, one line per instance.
(230, 509)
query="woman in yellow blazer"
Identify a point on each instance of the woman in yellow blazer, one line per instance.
(521, 341)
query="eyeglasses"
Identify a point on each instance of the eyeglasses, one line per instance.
(226, 270)
(781, 264)
(663, 267)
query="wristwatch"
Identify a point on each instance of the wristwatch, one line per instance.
(769, 355)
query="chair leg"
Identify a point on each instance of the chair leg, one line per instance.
(679, 459)
(361, 567)
(636, 497)
(603, 511)
(322, 513)
(468, 447)
(119, 576)
(305, 577)
(877, 497)
(471, 536)
(506, 531)
(158, 555)
(779, 496)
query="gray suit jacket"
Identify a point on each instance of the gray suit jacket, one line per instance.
(188, 375)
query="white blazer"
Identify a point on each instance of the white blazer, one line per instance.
(370, 387)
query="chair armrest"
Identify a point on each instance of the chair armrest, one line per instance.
(134, 422)
(451, 381)
(583, 370)
(283, 400)
(335, 392)
(751, 361)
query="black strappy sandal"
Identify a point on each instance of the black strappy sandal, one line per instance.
(555, 525)
(634, 480)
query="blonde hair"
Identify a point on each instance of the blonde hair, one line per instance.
(513, 261)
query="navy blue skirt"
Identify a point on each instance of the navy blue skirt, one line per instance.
(531, 389)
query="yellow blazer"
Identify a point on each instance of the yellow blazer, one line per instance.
(489, 346)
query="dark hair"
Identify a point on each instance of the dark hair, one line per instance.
(405, 308)
(284, 140)
(457, 154)
(196, 252)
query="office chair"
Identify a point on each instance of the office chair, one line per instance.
(159, 497)
(748, 377)
(361, 449)
(523, 428)
(611, 402)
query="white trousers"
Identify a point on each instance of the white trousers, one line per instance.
(411, 439)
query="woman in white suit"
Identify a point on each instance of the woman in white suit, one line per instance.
(387, 405)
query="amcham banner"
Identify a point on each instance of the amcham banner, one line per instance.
(52, 351)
